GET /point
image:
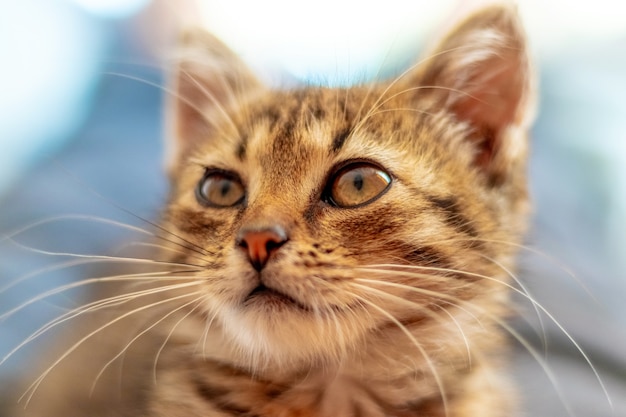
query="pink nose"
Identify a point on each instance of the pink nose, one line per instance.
(259, 244)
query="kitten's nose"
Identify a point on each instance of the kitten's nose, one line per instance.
(261, 243)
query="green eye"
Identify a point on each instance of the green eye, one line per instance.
(356, 185)
(220, 189)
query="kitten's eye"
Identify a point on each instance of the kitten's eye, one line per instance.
(220, 189)
(356, 185)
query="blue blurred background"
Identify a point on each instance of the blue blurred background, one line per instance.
(81, 134)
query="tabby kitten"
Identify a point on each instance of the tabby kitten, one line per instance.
(331, 252)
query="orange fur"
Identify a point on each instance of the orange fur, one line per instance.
(393, 307)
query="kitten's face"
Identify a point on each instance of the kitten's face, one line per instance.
(324, 215)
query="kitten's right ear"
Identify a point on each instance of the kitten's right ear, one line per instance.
(481, 73)
(208, 79)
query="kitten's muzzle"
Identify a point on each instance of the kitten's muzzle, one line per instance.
(260, 244)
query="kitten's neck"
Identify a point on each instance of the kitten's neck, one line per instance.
(384, 374)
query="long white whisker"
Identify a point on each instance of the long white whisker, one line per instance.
(134, 339)
(90, 307)
(427, 311)
(214, 101)
(419, 347)
(205, 334)
(560, 265)
(185, 100)
(534, 302)
(32, 388)
(188, 245)
(74, 217)
(540, 360)
(107, 258)
(531, 350)
(140, 277)
(529, 296)
(160, 247)
(371, 89)
(169, 335)
(376, 108)
(50, 268)
(392, 84)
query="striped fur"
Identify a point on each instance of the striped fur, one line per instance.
(392, 308)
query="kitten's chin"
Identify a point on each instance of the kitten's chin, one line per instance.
(264, 299)
(271, 328)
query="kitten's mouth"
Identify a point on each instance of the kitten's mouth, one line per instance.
(271, 297)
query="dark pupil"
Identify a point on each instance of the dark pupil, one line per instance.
(225, 187)
(358, 182)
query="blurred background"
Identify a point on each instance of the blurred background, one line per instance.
(81, 128)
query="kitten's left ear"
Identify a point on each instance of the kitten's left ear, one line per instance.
(481, 73)
(208, 79)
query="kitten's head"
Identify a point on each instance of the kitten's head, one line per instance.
(321, 217)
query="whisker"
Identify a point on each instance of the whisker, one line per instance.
(406, 72)
(407, 109)
(375, 109)
(171, 332)
(90, 307)
(32, 388)
(50, 268)
(188, 244)
(552, 260)
(214, 100)
(141, 277)
(108, 258)
(528, 293)
(205, 334)
(373, 85)
(160, 247)
(542, 363)
(419, 347)
(171, 92)
(134, 339)
(73, 217)
(427, 311)
(533, 301)
(504, 325)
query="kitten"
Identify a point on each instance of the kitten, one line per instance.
(328, 251)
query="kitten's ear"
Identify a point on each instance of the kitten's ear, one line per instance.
(481, 72)
(208, 79)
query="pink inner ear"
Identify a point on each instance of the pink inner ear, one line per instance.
(491, 102)
(480, 73)
(493, 99)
